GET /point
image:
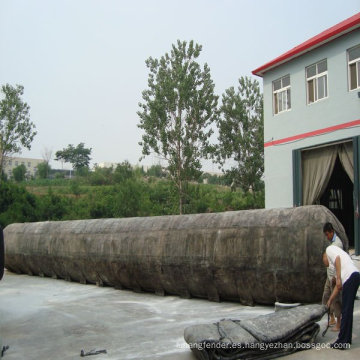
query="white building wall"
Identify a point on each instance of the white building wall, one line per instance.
(12, 162)
(339, 107)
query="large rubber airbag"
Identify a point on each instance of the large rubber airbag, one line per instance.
(249, 256)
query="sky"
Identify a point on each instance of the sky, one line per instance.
(82, 62)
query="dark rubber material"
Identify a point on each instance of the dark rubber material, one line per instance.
(2, 251)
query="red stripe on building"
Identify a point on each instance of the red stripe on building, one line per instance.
(313, 133)
(330, 34)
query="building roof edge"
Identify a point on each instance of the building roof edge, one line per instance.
(324, 37)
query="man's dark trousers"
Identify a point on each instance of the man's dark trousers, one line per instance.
(349, 290)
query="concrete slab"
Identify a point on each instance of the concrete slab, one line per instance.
(44, 318)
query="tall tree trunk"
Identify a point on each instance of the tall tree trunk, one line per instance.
(180, 198)
(1, 164)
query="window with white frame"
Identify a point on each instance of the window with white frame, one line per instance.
(354, 67)
(282, 94)
(317, 82)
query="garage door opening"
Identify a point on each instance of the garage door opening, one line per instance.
(324, 175)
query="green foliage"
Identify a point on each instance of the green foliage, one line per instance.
(16, 204)
(43, 170)
(215, 179)
(54, 207)
(59, 175)
(75, 187)
(156, 171)
(109, 176)
(162, 198)
(101, 203)
(127, 199)
(123, 172)
(82, 171)
(241, 134)
(177, 113)
(3, 177)
(71, 199)
(19, 173)
(48, 182)
(78, 157)
(101, 176)
(207, 198)
(16, 129)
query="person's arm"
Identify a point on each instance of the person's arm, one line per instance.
(338, 272)
(338, 286)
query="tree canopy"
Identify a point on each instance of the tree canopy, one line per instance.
(16, 129)
(178, 109)
(19, 173)
(43, 170)
(241, 136)
(78, 157)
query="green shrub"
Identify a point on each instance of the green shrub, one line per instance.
(53, 206)
(132, 196)
(16, 204)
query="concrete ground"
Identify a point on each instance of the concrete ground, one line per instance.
(43, 318)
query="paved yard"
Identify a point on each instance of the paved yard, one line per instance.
(43, 318)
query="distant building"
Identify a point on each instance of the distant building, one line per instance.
(312, 125)
(12, 162)
(107, 164)
(114, 165)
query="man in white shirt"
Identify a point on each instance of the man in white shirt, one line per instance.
(347, 279)
(335, 308)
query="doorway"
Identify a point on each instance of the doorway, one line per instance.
(329, 174)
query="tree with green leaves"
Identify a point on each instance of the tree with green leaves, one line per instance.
(156, 171)
(16, 129)
(19, 173)
(43, 170)
(46, 168)
(17, 205)
(78, 157)
(123, 172)
(177, 112)
(241, 134)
